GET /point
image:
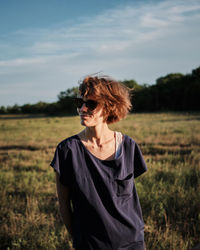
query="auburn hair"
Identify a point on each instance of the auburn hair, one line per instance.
(113, 95)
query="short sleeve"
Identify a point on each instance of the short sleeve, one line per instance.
(61, 163)
(139, 163)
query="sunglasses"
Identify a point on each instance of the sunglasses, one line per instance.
(90, 104)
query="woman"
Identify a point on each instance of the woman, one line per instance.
(95, 172)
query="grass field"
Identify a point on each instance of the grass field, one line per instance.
(169, 192)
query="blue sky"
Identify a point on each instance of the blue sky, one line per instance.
(47, 46)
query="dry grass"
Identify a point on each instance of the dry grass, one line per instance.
(169, 191)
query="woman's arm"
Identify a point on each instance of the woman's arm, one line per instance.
(64, 204)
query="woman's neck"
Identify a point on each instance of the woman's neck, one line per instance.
(98, 134)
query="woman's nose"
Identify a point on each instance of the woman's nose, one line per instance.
(83, 107)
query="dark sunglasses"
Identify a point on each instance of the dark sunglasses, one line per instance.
(90, 104)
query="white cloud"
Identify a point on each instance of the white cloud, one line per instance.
(18, 62)
(185, 8)
(140, 42)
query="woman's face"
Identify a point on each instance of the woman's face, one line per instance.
(90, 112)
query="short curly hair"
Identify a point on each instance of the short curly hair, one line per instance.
(113, 95)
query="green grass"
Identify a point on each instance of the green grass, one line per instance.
(169, 191)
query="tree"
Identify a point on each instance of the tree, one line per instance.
(169, 78)
(196, 72)
(3, 110)
(132, 84)
(16, 109)
(65, 100)
(68, 93)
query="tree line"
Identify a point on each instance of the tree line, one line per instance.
(173, 92)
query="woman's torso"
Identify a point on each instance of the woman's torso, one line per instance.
(107, 213)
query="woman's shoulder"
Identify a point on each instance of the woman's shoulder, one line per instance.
(68, 142)
(128, 139)
(130, 143)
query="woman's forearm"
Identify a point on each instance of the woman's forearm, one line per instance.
(67, 216)
(64, 199)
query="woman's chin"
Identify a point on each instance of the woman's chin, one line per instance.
(84, 122)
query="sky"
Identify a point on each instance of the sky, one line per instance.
(48, 46)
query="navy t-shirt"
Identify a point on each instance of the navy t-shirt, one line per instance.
(106, 209)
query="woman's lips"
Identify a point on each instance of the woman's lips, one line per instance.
(84, 115)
